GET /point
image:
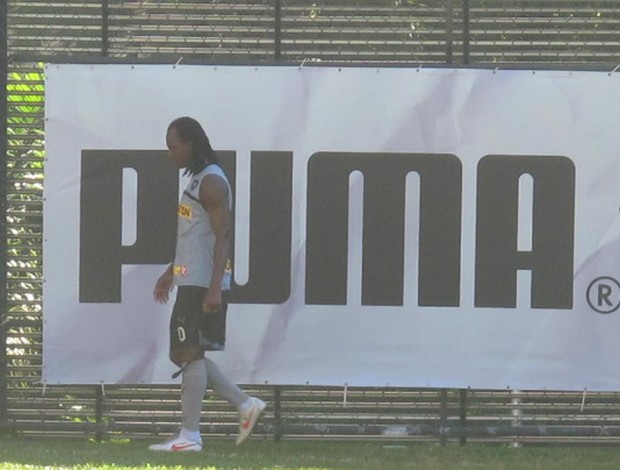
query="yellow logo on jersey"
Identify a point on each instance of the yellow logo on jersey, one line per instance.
(179, 270)
(185, 211)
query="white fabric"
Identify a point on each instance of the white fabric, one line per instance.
(468, 113)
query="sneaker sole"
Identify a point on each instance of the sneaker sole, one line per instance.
(185, 449)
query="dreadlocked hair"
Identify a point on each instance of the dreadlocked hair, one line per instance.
(190, 130)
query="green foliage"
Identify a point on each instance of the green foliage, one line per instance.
(25, 163)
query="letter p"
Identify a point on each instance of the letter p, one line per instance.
(101, 251)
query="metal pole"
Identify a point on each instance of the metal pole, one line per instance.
(105, 17)
(443, 416)
(277, 413)
(466, 32)
(463, 414)
(4, 415)
(449, 30)
(99, 413)
(278, 30)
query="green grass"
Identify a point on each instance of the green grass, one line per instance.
(45, 454)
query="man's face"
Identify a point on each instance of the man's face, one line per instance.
(179, 150)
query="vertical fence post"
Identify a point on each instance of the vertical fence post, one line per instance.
(99, 434)
(463, 415)
(4, 414)
(277, 413)
(105, 17)
(443, 416)
(278, 30)
(466, 32)
(449, 30)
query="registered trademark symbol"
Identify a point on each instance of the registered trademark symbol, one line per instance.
(603, 294)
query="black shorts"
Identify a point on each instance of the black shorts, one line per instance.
(192, 332)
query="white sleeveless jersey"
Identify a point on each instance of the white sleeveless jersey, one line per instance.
(193, 259)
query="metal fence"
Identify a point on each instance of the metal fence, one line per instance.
(575, 34)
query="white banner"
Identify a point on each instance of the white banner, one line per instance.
(394, 227)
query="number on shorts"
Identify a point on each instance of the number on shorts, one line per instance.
(181, 334)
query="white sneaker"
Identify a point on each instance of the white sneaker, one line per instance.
(248, 419)
(178, 444)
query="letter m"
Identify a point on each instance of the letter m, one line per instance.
(383, 227)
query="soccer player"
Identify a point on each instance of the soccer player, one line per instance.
(201, 272)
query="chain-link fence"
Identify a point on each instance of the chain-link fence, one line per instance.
(576, 34)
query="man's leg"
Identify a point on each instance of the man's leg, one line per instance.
(194, 384)
(193, 388)
(250, 408)
(223, 386)
(184, 348)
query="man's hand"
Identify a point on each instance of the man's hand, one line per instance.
(163, 286)
(212, 301)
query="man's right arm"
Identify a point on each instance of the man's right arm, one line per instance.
(163, 286)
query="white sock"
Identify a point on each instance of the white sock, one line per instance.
(193, 385)
(192, 436)
(245, 406)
